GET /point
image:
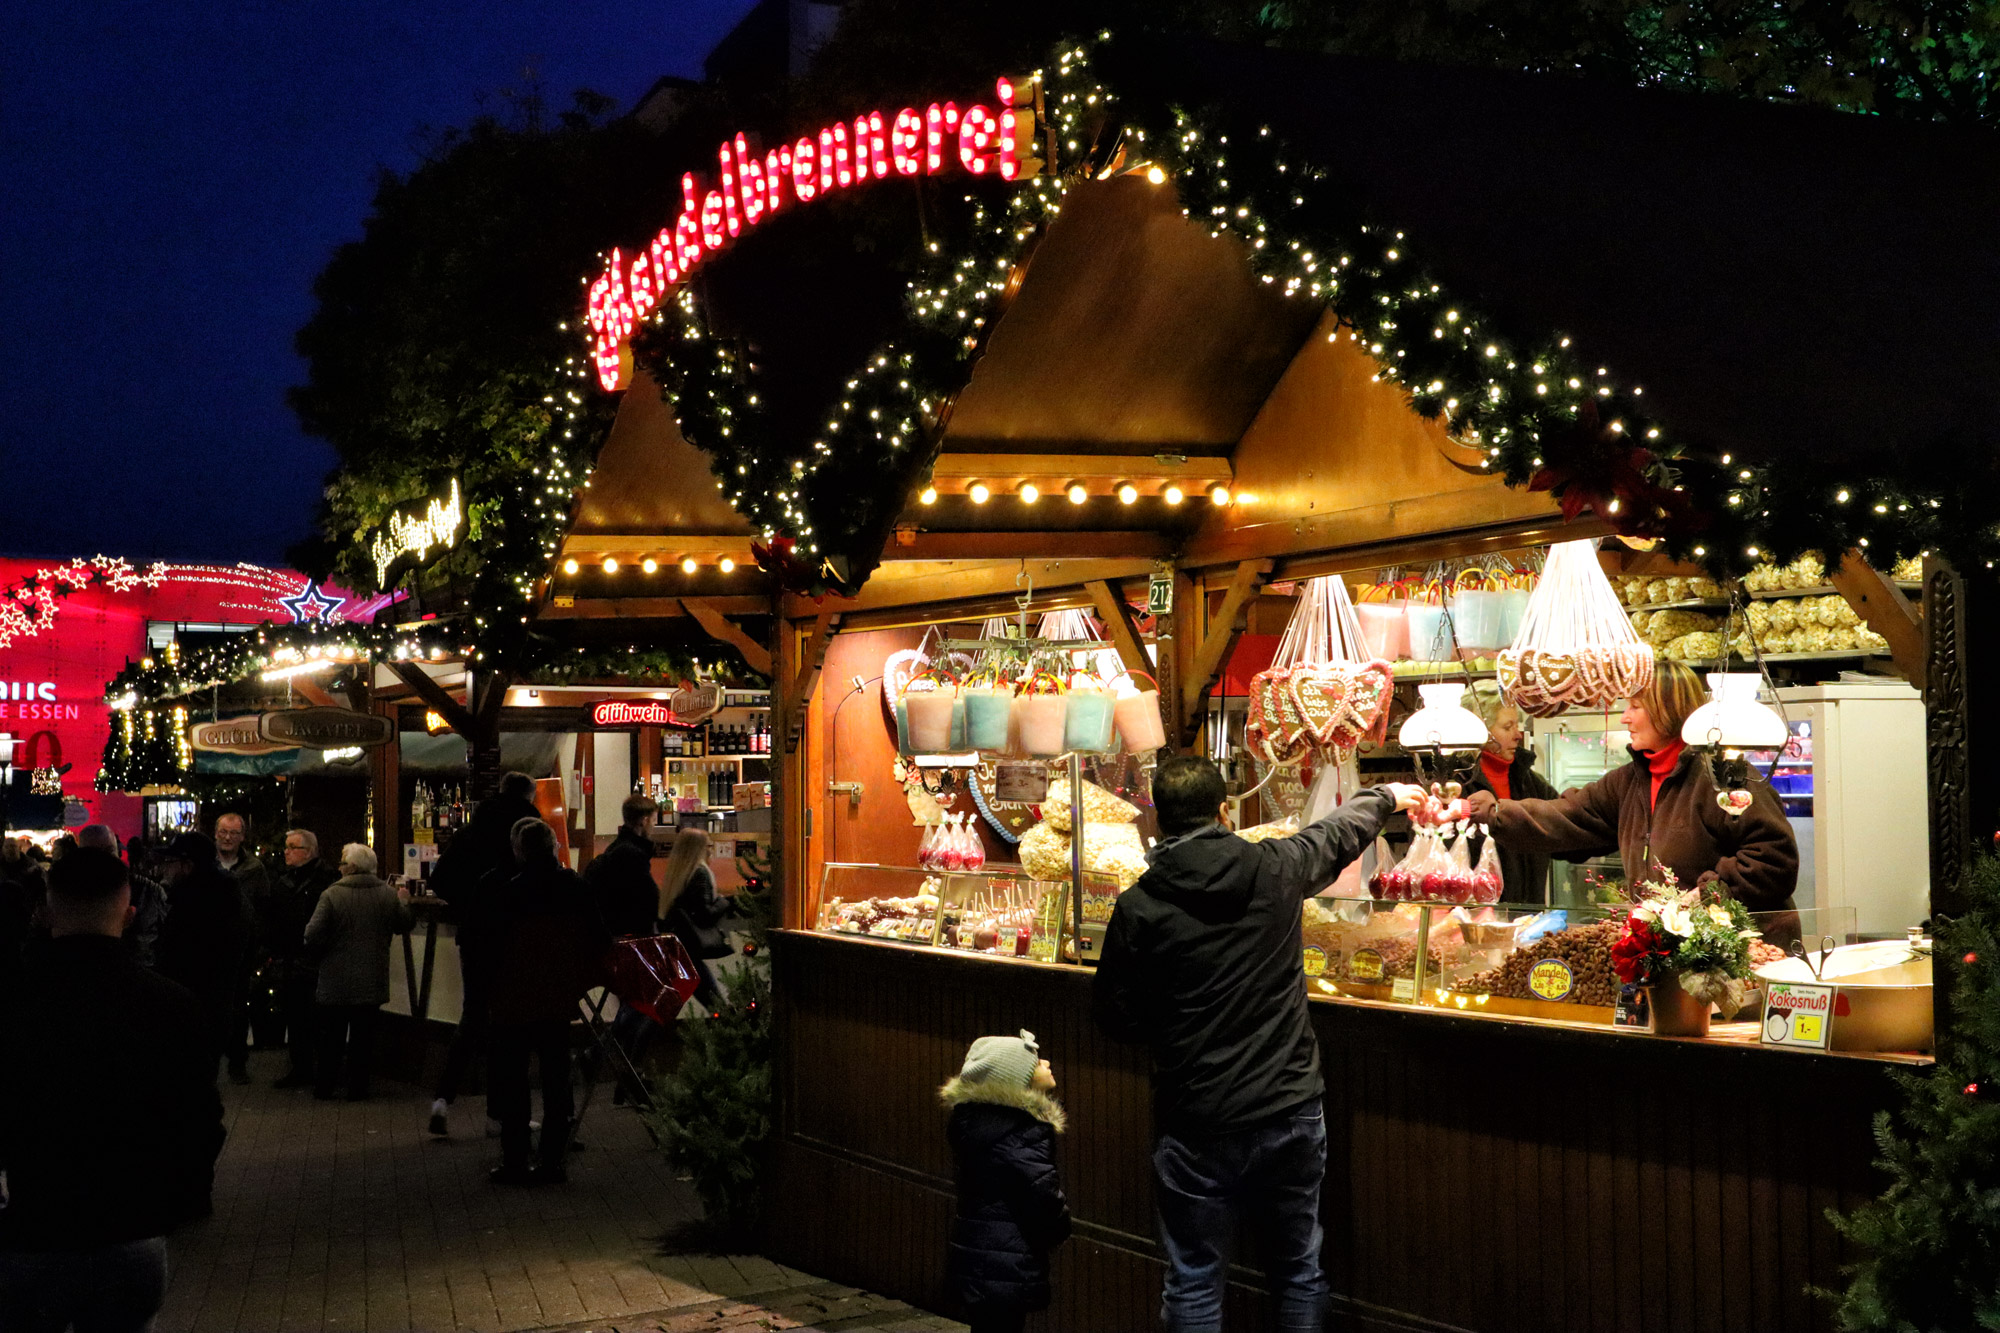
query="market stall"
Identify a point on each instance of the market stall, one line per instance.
(1178, 460)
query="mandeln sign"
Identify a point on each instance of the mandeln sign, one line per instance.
(753, 184)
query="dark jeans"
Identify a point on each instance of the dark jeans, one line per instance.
(236, 1019)
(507, 1098)
(470, 1038)
(1269, 1173)
(110, 1289)
(346, 1037)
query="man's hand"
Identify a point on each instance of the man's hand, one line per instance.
(1408, 795)
(1482, 806)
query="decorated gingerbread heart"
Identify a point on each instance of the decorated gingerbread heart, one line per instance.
(1733, 803)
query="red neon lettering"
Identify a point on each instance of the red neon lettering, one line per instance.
(777, 165)
(906, 139)
(805, 170)
(712, 236)
(729, 213)
(976, 133)
(939, 122)
(749, 183)
(871, 155)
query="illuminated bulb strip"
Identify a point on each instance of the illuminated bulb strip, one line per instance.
(1220, 495)
(980, 495)
(649, 564)
(690, 565)
(726, 565)
(1078, 493)
(1174, 495)
(610, 564)
(1128, 493)
(1029, 493)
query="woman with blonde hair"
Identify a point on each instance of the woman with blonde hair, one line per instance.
(1660, 810)
(693, 912)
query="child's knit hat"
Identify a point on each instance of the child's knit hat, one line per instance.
(1006, 1061)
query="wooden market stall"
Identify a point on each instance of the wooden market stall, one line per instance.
(1155, 434)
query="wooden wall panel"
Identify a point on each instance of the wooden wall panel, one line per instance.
(1482, 1176)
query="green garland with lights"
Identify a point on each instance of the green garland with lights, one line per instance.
(1546, 414)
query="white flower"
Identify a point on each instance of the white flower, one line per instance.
(1677, 920)
(1718, 914)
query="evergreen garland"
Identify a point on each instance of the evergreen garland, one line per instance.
(712, 1115)
(1545, 413)
(1932, 1241)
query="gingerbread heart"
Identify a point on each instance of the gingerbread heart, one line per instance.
(1320, 694)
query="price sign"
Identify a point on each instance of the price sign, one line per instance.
(1365, 965)
(1315, 960)
(1160, 595)
(1797, 1014)
(1405, 988)
(1552, 980)
(1025, 783)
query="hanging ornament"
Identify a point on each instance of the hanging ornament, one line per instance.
(1576, 647)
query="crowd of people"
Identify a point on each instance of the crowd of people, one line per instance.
(123, 998)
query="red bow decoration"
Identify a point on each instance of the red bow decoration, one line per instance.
(1594, 468)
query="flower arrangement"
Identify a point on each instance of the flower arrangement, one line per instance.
(1695, 935)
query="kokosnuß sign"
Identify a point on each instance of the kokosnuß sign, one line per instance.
(327, 728)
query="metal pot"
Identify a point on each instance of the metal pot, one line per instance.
(1882, 994)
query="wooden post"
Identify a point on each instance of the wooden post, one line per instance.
(1882, 606)
(385, 775)
(1117, 618)
(1217, 643)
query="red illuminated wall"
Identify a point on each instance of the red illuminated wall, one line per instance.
(94, 632)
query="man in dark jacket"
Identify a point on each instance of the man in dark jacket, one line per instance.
(253, 877)
(206, 936)
(479, 852)
(149, 900)
(628, 900)
(109, 1119)
(295, 893)
(1203, 961)
(546, 946)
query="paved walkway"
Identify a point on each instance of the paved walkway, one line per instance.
(331, 1216)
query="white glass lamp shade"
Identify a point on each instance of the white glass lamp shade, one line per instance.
(1733, 718)
(1442, 722)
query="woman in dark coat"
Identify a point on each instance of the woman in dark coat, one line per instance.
(1506, 767)
(1011, 1209)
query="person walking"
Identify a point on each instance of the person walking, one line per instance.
(254, 879)
(149, 900)
(295, 895)
(628, 900)
(548, 947)
(694, 911)
(1204, 962)
(206, 935)
(481, 851)
(109, 1119)
(1011, 1209)
(348, 940)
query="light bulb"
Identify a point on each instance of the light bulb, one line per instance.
(980, 495)
(1029, 493)
(689, 565)
(569, 567)
(726, 564)
(610, 564)
(1128, 493)
(929, 496)
(1220, 495)
(1155, 175)
(1078, 493)
(1174, 495)
(649, 564)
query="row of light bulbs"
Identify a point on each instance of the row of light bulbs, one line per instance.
(979, 493)
(649, 565)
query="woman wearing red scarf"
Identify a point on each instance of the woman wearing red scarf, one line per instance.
(1660, 810)
(1506, 768)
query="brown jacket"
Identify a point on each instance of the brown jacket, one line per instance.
(1753, 854)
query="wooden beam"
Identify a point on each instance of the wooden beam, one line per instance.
(455, 714)
(667, 548)
(1116, 614)
(1881, 604)
(925, 545)
(1216, 645)
(1100, 474)
(724, 630)
(811, 658)
(647, 608)
(313, 694)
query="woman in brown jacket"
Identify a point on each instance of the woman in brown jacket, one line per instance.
(1660, 810)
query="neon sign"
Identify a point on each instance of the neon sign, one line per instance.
(752, 185)
(406, 540)
(619, 713)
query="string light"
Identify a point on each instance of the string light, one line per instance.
(1174, 495)
(1029, 493)
(690, 565)
(1128, 493)
(726, 565)
(610, 564)
(569, 566)
(649, 565)
(1078, 493)
(980, 495)
(1219, 496)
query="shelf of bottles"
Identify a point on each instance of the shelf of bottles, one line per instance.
(437, 810)
(701, 767)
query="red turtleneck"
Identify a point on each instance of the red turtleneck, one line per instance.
(1662, 762)
(1496, 770)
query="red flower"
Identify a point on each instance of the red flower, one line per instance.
(1639, 943)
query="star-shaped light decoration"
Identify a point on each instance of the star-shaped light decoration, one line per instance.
(309, 603)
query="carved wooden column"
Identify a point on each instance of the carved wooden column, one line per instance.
(1962, 711)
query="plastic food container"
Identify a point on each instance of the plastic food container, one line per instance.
(1087, 724)
(1430, 638)
(988, 714)
(1385, 629)
(1042, 723)
(930, 719)
(1137, 718)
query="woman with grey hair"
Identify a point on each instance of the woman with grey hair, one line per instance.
(1506, 767)
(348, 938)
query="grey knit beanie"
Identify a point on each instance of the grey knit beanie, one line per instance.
(1006, 1061)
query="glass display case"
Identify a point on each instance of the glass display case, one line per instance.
(1366, 949)
(995, 911)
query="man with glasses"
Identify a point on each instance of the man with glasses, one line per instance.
(294, 893)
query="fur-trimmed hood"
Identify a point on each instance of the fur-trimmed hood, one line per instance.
(1037, 1104)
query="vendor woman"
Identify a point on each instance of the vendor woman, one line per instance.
(1660, 810)
(1506, 768)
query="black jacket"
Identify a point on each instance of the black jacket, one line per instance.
(479, 849)
(289, 906)
(1011, 1210)
(697, 915)
(545, 943)
(1203, 961)
(109, 1118)
(1524, 872)
(621, 878)
(205, 940)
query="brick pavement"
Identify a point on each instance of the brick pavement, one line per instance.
(333, 1217)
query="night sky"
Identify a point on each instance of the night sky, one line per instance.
(172, 178)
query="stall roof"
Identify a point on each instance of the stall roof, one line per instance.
(1789, 282)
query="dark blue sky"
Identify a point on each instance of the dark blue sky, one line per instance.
(172, 178)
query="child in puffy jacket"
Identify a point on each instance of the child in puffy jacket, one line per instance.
(1011, 1210)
